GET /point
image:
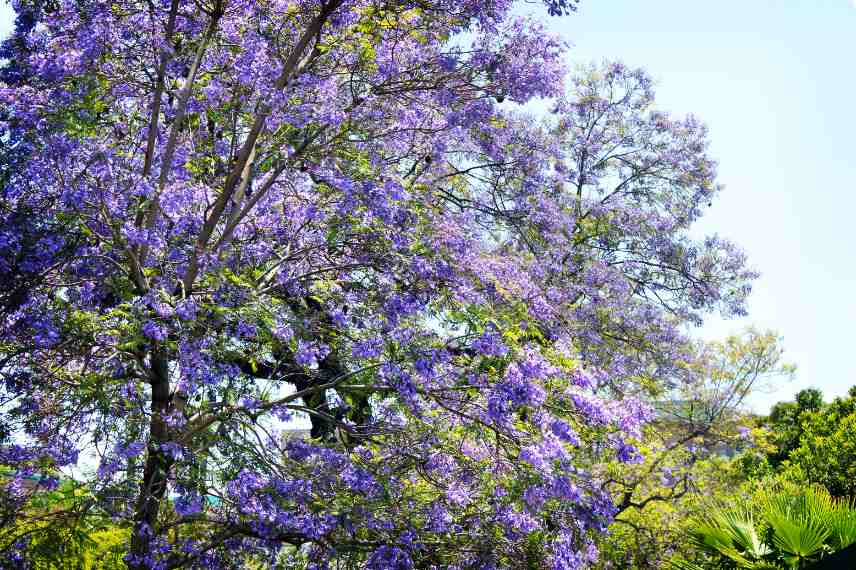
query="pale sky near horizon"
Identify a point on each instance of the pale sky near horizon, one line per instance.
(775, 81)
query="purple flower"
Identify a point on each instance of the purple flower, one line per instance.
(517, 523)
(565, 432)
(389, 558)
(154, 331)
(439, 518)
(245, 329)
(567, 556)
(174, 450)
(458, 494)
(283, 332)
(186, 310)
(308, 353)
(360, 481)
(628, 453)
(132, 449)
(489, 344)
(370, 348)
(535, 497)
(188, 504)
(250, 402)
(49, 483)
(45, 333)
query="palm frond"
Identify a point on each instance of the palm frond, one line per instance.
(798, 536)
(843, 525)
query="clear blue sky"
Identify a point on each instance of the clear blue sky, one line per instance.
(775, 80)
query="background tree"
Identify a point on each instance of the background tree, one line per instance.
(809, 400)
(253, 215)
(825, 451)
(685, 452)
(61, 530)
(786, 422)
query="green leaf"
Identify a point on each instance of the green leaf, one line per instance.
(801, 537)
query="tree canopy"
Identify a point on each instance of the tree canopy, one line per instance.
(225, 220)
(814, 441)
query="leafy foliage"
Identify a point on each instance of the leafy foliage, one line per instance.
(60, 530)
(784, 527)
(685, 451)
(814, 442)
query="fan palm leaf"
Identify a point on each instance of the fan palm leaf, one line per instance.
(798, 537)
(843, 525)
(730, 534)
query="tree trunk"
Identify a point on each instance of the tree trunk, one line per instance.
(156, 471)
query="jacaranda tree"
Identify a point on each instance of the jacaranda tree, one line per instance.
(227, 219)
